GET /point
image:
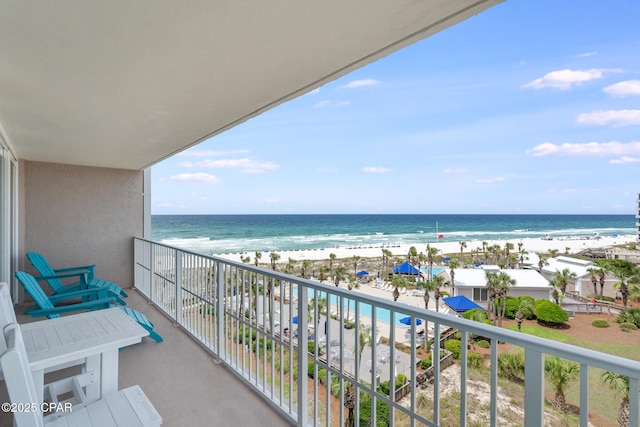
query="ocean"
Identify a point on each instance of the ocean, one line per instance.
(219, 234)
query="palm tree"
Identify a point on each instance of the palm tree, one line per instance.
(499, 284)
(601, 280)
(386, 256)
(553, 253)
(340, 274)
(463, 245)
(291, 265)
(563, 277)
(525, 309)
(438, 281)
(356, 259)
(453, 264)
(428, 287)
(620, 385)
(594, 272)
(304, 270)
(508, 247)
(257, 257)
(541, 263)
(555, 284)
(522, 253)
(484, 251)
(332, 258)
(622, 287)
(398, 282)
(561, 373)
(324, 271)
(431, 252)
(274, 257)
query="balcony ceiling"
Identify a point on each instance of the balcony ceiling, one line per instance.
(127, 84)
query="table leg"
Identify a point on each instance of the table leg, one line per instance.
(93, 391)
(109, 372)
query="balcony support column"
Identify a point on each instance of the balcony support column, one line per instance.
(533, 387)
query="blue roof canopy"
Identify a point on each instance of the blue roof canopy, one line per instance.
(460, 303)
(406, 268)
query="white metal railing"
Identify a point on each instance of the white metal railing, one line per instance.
(255, 320)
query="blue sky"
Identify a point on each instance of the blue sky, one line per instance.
(530, 107)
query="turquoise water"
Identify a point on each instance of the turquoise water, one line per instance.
(218, 234)
(382, 314)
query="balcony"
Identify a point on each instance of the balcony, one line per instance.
(206, 373)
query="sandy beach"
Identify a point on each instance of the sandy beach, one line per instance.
(536, 245)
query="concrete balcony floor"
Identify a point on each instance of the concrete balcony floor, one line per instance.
(181, 379)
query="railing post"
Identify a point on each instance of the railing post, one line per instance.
(152, 271)
(178, 290)
(219, 304)
(533, 387)
(303, 339)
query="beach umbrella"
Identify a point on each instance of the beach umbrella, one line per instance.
(363, 273)
(407, 321)
(295, 320)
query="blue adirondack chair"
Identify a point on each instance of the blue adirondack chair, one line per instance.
(97, 299)
(84, 273)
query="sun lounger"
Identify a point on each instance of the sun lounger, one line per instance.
(84, 274)
(98, 299)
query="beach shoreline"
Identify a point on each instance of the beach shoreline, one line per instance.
(535, 245)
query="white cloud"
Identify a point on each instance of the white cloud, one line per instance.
(489, 180)
(566, 79)
(271, 200)
(313, 92)
(196, 177)
(624, 160)
(616, 118)
(622, 89)
(185, 164)
(192, 152)
(375, 169)
(586, 149)
(459, 170)
(586, 54)
(245, 165)
(329, 103)
(361, 83)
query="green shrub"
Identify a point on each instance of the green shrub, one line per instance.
(511, 365)
(483, 344)
(512, 306)
(311, 367)
(477, 314)
(528, 314)
(600, 323)
(455, 347)
(474, 359)
(630, 315)
(628, 326)
(549, 313)
(425, 363)
(383, 388)
(311, 346)
(401, 380)
(322, 376)
(382, 413)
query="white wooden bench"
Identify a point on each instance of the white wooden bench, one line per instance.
(127, 407)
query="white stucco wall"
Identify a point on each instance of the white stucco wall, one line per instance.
(77, 215)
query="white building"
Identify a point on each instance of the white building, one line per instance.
(472, 283)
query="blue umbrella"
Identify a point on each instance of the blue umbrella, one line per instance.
(295, 320)
(363, 273)
(407, 321)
